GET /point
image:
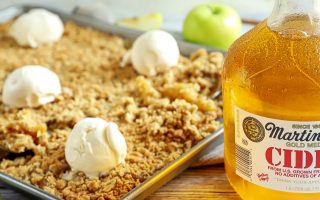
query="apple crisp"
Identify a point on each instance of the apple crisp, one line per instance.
(160, 117)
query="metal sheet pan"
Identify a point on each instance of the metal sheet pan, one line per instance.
(161, 177)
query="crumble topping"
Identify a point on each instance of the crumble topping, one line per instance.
(161, 117)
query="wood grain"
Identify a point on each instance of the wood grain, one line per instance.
(193, 184)
(198, 183)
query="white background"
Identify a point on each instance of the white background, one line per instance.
(173, 10)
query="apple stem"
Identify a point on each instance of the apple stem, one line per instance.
(214, 10)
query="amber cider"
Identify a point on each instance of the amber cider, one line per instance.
(274, 74)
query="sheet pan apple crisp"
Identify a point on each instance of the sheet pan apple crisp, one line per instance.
(161, 117)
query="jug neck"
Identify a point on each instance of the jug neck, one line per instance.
(302, 16)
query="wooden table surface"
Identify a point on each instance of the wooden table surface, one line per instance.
(195, 183)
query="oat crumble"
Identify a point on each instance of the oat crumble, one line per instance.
(161, 117)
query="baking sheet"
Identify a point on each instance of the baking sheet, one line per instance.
(168, 172)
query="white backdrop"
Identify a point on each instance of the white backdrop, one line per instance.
(173, 10)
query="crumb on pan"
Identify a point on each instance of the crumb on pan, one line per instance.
(160, 117)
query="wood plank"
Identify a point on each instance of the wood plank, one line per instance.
(196, 196)
(198, 183)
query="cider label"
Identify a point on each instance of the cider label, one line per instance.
(277, 154)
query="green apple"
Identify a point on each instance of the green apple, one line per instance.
(212, 24)
(145, 22)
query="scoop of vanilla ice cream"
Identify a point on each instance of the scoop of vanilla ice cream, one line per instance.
(37, 27)
(95, 146)
(30, 86)
(152, 52)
